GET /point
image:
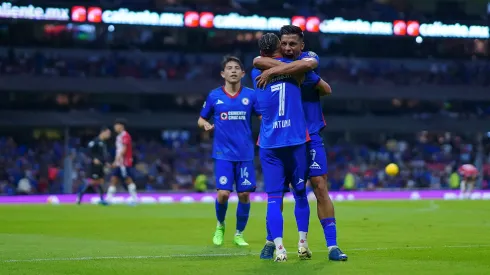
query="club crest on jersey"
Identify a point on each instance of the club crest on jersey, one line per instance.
(223, 180)
(245, 101)
(312, 54)
(224, 116)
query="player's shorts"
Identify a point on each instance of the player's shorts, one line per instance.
(318, 156)
(242, 173)
(96, 171)
(122, 172)
(281, 166)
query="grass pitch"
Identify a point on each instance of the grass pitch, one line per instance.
(403, 237)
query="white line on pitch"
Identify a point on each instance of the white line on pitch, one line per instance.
(217, 255)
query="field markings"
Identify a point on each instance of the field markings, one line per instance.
(218, 255)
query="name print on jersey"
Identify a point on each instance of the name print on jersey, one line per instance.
(284, 123)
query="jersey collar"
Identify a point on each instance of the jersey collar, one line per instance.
(229, 95)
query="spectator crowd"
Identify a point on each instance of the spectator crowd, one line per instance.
(193, 67)
(173, 161)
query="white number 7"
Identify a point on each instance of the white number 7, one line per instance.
(282, 96)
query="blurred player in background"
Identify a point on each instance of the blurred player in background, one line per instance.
(282, 142)
(231, 107)
(123, 163)
(469, 173)
(292, 46)
(98, 156)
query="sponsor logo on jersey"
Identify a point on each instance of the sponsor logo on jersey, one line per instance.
(233, 115)
(312, 54)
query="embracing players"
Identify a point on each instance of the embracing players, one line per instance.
(97, 150)
(292, 46)
(231, 107)
(282, 142)
(123, 163)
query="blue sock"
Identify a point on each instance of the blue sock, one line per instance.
(274, 217)
(330, 231)
(302, 211)
(242, 213)
(221, 211)
(269, 235)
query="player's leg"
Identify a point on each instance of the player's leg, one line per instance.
(274, 178)
(299, 174)
(82, 191)
(470, 185)
(127, 175)
(114, 180)
(463, 187)
(268, 239)
(318, 168)
(97, 186)
(245, 183)
(223, 173)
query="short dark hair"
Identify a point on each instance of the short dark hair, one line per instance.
(121, 121)
(104, 128)
(291, 29)
(230, 58)
(269, 43)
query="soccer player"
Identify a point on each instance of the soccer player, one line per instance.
(231, 107)
(282, 143)
(122, 166)
(98, 156)
(469, 173)
(292, 46)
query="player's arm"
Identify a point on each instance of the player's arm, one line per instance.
(93, 152)
(204, 124)
(297, 67)
(323, 88)
(120, 155)
(206, 112)
(265, 63)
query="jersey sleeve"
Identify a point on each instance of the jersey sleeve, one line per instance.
(207, 108)
(311, 54)
(254, 73)
(311, 80)
(255, 106)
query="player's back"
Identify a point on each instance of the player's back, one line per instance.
(283, 123)
(124, 140)
(232, 119)
(311, 100)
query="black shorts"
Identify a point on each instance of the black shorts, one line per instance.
(96, 172)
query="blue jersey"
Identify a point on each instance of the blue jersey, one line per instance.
(311, 100)
(283, 121)
(233, 139)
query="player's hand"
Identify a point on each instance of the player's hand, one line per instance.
(96, 161)
(264, 78)
(208, 127)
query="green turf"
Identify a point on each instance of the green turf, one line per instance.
(414, 237)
